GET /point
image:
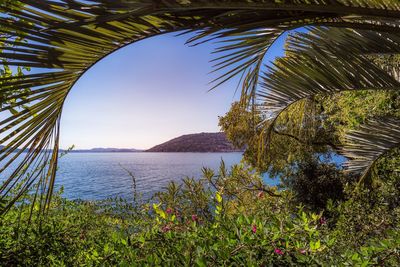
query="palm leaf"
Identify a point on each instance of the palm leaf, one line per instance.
(370, 142)
(324, 61)
(247, 40)
(30, 133)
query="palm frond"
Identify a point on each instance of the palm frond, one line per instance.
(31, 105)
(249, 33)
(324, 61)
(371, 141)
(247, 29)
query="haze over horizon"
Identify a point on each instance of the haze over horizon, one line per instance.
(145, 94)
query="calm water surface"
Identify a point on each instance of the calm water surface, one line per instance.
(96, 176)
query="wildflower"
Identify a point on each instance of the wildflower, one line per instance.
(302, 251)
(278, 251)
(260, 194)
(322, 221)
(168, 211)
(194, 218)
(254, 228)
(165, 228)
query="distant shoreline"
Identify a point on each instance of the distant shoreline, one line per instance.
(143, 151)
(189, 143)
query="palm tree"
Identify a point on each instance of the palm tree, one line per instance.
(62, 39)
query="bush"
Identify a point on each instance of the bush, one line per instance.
(314, 183)
(229, 218)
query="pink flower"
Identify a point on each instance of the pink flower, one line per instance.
(165, 228)
(254, 228)
(169, 211)
(322, 221)
(260, 194)
(278, 251)
(194, 218)
(302, 251)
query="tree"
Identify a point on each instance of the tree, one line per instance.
(324, 129)
(337, 60)
(65, 38)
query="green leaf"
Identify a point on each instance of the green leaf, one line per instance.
(218, 197)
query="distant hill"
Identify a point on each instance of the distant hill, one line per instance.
(201, 142)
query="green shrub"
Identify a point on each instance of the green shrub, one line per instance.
(314, 183)
(228, 218)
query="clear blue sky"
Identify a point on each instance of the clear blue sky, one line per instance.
(145, 94)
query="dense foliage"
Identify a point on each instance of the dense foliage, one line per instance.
(229, 218)
(306, 139)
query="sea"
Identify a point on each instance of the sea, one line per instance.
(98, 176)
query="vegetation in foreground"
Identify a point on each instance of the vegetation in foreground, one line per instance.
(230, 218)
